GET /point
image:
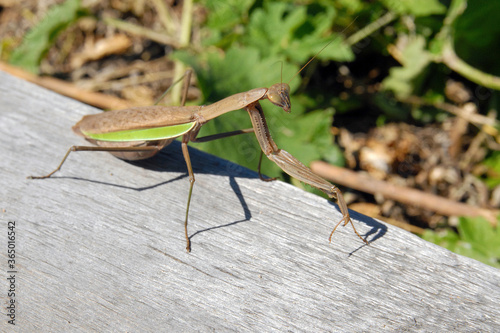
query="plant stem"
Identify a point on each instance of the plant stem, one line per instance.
(134, 29)
(185, 37)
(451, 60)
(370, 28)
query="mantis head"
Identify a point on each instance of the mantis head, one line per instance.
(279, 94)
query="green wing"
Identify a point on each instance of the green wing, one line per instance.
(148, 134)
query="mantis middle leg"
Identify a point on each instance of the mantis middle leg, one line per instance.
(192, 137)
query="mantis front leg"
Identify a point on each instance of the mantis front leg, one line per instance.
(294, 167)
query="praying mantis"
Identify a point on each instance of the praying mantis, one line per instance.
(141, 132)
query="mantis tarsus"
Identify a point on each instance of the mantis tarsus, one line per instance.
(141, 132)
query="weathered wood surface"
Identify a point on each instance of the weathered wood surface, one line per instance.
(100, 247)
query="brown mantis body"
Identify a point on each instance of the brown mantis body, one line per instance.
(131, 134)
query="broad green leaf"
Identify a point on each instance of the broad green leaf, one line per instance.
(226, 14)
(270, 30)
(308, 136)
(299, 32)
(351, 5)
(476, 239)
(476, 34)
(225, 20)
(415, 59)
(493, 173)
(444, 238)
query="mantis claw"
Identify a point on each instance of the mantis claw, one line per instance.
(347, 220)
(260, 174)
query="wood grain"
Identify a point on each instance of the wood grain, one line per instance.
(100, 246)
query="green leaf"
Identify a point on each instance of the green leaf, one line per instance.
(493, 173)
(38, 40)
(476, 34)
(415, 58)
(225, 23)
(225, 15)
(483, 239)
(299, 32)
(270, 30)
(415, 7)
(307, 136)
(476, 239)
(444, 238)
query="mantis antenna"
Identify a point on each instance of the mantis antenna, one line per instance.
(324, 47)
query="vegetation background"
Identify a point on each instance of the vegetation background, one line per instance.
(404, 91)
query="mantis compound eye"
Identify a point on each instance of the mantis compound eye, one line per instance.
(279, 94)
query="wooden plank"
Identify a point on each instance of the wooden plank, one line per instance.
(101, 247)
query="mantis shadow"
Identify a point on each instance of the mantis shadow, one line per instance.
(248, 214)
(203, 163)
(171, 160)
(139, 189)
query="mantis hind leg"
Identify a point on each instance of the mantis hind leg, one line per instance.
(97, 148)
